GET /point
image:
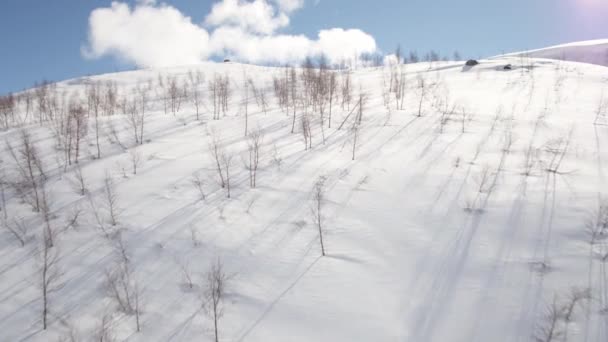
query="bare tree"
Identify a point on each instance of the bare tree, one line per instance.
(196, 81)
(282, 90)
(215, 96)
(254, 148)
(332, 93)
(386, 88)
(18, 228)
(465, 117)
(422, 89)
(220, 93)
(138, 305)
(7, 110)
(79, 127)
(32, 177)
(111, 199)
(28, 100)
(358, 120)
(597, 224)
(306, 132)
(113, 136)
(94, 99)
(78, 181)
(259, 94)
(557, 150)
(136, 112)
(225, 93)
(247, 82)
(446, 113)
(317, 209)
(63, 126)
(293, 94)
(347, 90)
(186, 273)
(398, 54)
(143, 97)
(217, 150)
(133, 119)
(548, 330)
(413, 58)
(50, 274)
(215, 292)
(161, 92)
(104, 331)
(400, 86)
(72, 218)
(42, 96)
(174, 94)
(199, 184)
(110, 98)
(121, 284)
(574, 299)
(261, 100)
(118, 286)
(227, 163)
(136, 159)
(49, 231)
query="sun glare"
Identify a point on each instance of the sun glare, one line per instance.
(593, 3)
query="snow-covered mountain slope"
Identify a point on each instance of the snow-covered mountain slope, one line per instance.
(467, 222)
(591, 51)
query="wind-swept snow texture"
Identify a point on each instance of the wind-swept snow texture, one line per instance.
(591, 51)
(467, 223)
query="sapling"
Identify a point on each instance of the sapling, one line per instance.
(217, 151)
(196, 81)
(549, 330)
(78, 181)
(18, 228)
(199, 184)
(50, 274)
(32, 177)
(136, 159)
(111, 199)
(422, 89)
(254, 148)
(215, 293)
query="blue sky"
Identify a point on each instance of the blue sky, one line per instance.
(42, 39)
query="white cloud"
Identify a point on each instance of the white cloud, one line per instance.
(153, 35)
(339, 44)
(244, 46)
(257, 16)
(336, 44)
(149, 36)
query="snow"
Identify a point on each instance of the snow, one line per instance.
(419, 247)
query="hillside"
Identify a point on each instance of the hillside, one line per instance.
(465, 210)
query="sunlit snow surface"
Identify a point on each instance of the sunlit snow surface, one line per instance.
(591, 51)
(431, 235)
